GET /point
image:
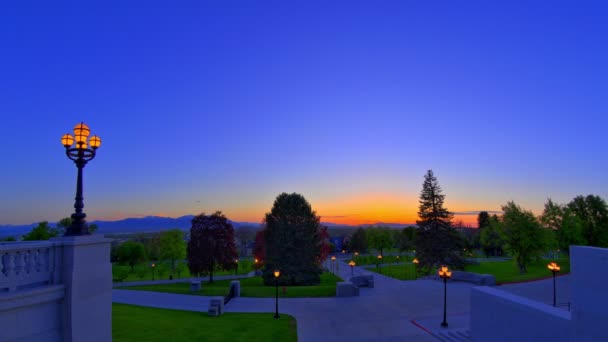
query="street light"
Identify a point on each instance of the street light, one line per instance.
(80, 153)
(236, 269)
(352, 267)
(277, 273)
(554, 267)
(445, 273)
(378, 262)
(153, 269)
(416, 262)
(333, 263)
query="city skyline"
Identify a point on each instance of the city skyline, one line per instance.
(210, 107)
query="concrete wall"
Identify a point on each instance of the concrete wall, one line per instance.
(500, 316)
(59, 290)
(589, 293)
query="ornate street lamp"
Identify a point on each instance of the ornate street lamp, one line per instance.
(416, 262)
(445, 273)
(153, 271)
(236, 269)
(379, 259)
(352, 267)
(77, 149)
(277, 273)
(554, 267)
(333, 263)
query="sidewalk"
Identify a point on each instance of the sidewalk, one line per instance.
(181, 280)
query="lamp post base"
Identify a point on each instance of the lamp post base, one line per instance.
(444, 324)
(276, 316)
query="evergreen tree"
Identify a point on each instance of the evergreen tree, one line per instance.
(437, 243)
(358, 242)
(293, 242)
(211, 245)
(483, 220)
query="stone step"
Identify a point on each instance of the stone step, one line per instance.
(453, 335)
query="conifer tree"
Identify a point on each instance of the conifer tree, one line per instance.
(437, 242)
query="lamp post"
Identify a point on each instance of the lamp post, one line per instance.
(379, 259)
(153, 271)
(333, 263)
(352, 267)
(445, 273)
(416, 262)
(80, 153)
(554, 267)
(236, 268)
(277, 273)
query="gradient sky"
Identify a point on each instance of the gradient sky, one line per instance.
(222, 105)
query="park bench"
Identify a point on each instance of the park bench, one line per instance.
(363, 281)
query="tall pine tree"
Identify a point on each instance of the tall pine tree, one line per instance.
(437, 243)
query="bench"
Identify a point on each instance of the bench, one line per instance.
(363, 281)
(346, 289)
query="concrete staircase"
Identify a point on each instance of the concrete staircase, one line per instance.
(454, 335)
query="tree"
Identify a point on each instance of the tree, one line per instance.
(490, 238)
(405, 238)
(593, 214)
(211, 244)
(437, 243)
(524, 236)
(41, 232)
(483, 220)
(131, 252)
(8, 238)
(293, 242)
(324, 244)
(358, 242)
(259, 249)
(380, 238)
(567, 226)
(172, 246)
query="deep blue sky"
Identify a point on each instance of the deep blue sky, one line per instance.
(225, 104)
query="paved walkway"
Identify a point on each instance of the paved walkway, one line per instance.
(386, 312)
(180, 280)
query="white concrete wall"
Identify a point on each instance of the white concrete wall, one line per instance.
(500, 316)
(589, 294)
(59, 290)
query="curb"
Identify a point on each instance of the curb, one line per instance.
(529, 280)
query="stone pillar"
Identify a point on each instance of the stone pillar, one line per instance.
(237, 287)
(588, 294)
(87, 276)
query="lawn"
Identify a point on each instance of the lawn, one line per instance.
(507, 271)
(373, 259)
(401, 271)
(136, 323)
(250, 287)
(162, 270)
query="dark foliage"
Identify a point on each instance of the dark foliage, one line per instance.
(211, 245)
(293, 238)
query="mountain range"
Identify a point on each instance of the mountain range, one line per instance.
(153, 224)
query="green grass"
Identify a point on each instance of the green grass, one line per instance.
(373, 259)
(136, 323)
(507, 271)
(144, 271)
(250, 287)
(401, 271)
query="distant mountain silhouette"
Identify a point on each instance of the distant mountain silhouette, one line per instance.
(158, 223)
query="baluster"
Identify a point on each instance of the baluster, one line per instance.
(19, 263)
(26, 261)
(2, 266)
(34, 261)
(10, 264)
(44, 254)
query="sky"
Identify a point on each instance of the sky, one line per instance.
(223, 105)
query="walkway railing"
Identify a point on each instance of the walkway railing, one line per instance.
(28, 264)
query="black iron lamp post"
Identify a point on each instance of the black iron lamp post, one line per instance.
(333, 263)
(277, 273)
(352, 267)
(236, 268)
(379, 260)
(416, 262)
(153, 271)
(554, 267)
(445, 273)
(77, 149)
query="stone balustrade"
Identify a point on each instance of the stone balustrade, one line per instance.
(25, 265)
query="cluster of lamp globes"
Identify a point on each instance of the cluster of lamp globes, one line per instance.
(81, 137)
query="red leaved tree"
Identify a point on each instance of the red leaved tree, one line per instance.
(211, 244)
(324, 241)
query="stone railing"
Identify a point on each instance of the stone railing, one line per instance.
(26, 265)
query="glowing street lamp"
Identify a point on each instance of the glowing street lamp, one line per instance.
(277, 273)
(416, 262)
(379, 259)
(352, 267)
(236, 268)
(554, 267)
(333, 263)
(77, 149)
(445, 273)
(153, 271)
